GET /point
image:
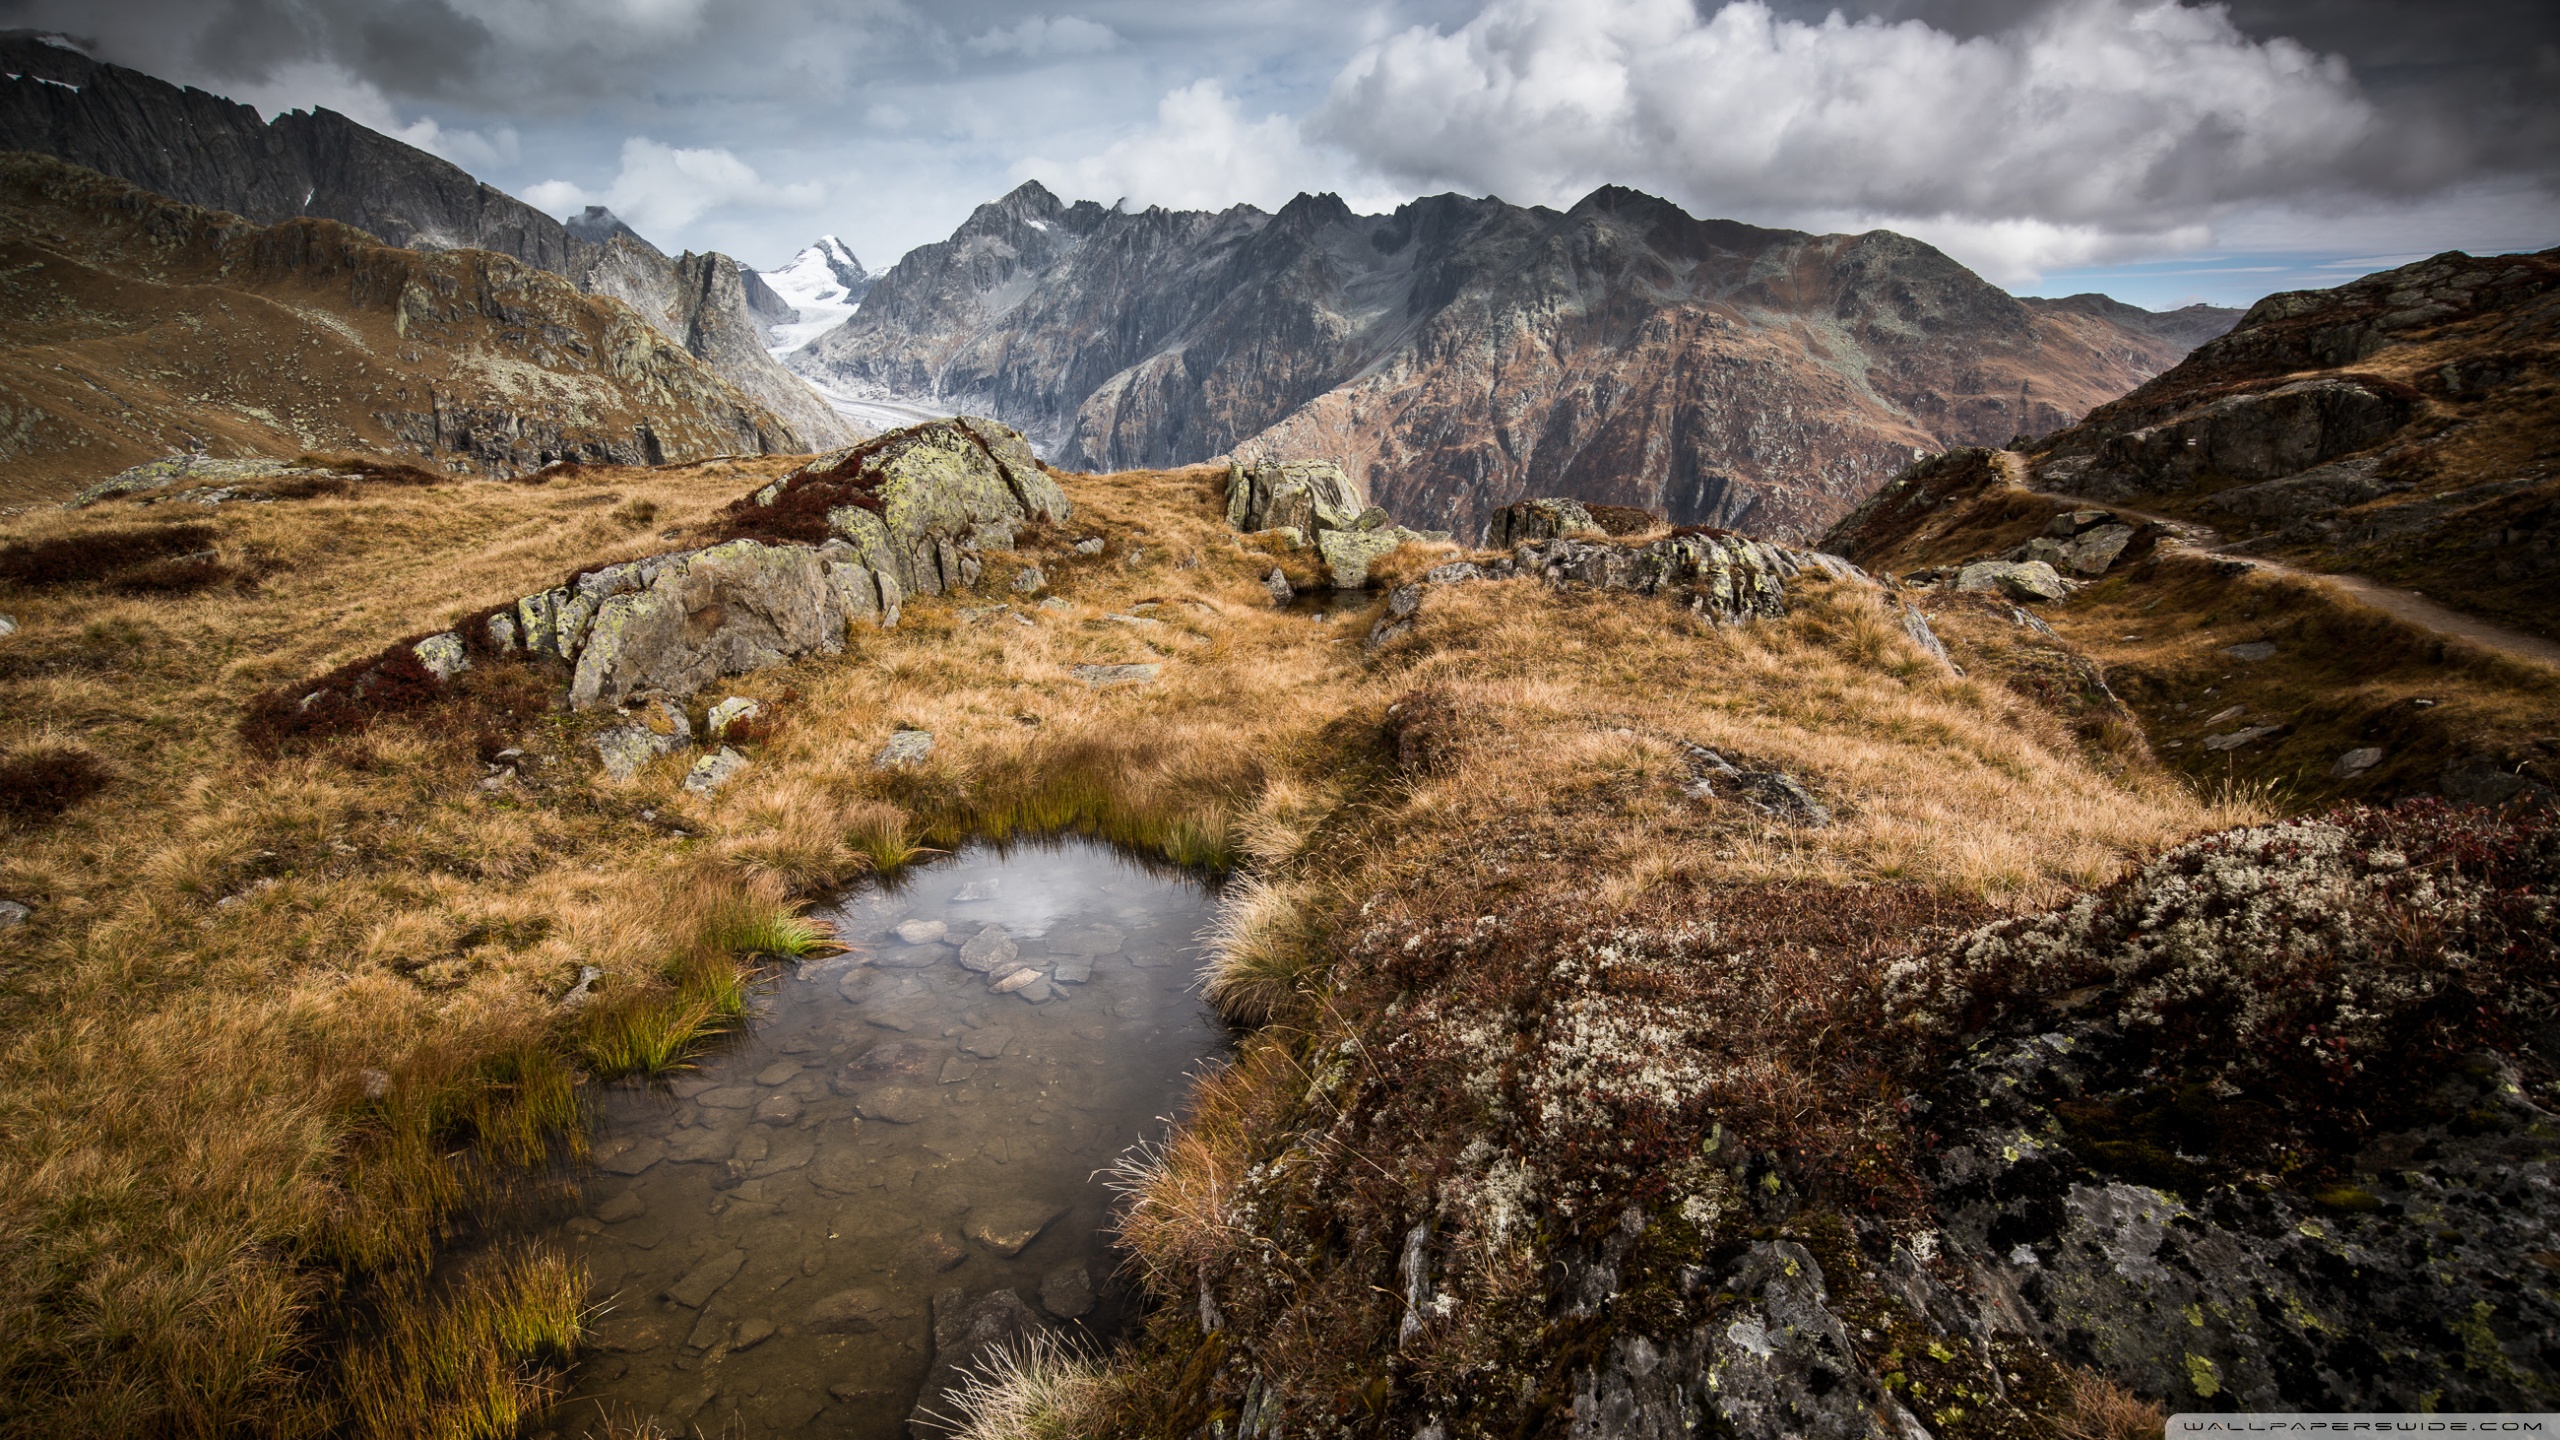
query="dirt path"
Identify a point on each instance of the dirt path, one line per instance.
(2407, 606)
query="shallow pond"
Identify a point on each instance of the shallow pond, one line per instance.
(921, 1117)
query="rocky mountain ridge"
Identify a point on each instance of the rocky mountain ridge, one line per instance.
(208, 151)
(2404, 426)
(136, 327)
(1461, 353)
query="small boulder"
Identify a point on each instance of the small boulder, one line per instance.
(2093, 552)
(1348, 554)
(713, 771)
(443, 655)
(1522, 521)
(13, 914)
(1102, 677)
(661, 730)
(2356, 762)
(8, 627)
(2253, 652)
(1089, 545)
(2030, 581)
(737, 710)
(921, 932)
(1282, 592)
(2238, 738)
(905, 749)
(1030, 581)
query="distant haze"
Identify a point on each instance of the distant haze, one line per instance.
(2158, 152)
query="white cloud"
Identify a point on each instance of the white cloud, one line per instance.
(1203, 154)
(1043, 35)
(660, 189)
(2095, 129)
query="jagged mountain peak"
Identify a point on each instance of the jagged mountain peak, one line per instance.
(597, 226)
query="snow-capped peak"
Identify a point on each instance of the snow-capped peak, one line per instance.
(825, 283)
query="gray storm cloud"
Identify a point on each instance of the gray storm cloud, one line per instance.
(2113, 114)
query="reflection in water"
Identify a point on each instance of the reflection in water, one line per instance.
(919, 1118)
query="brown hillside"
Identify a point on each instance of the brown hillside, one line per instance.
(132, 327)
(2404, 427)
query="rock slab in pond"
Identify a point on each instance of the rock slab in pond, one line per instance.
(894, 1105)
(922, 932)
(1009, 1227)
(847, 1312)
(1067, 1293)
(703, 1281)
(989, 950)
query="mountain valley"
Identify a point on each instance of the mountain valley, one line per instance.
(1486, 821)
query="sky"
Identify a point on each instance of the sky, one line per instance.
(2161, 152)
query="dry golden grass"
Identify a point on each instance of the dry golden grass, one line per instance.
(224, 946)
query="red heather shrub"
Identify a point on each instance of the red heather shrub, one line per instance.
(98, 554)
(42, 781)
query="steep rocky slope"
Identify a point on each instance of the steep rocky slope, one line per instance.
(213, 152)
(2405, 426)
(136, 326)
(2237, 541)
(1461, 353)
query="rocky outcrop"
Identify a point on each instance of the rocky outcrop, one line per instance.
(918, 505)
(676, 624)
(2107, 1176)
(1307, 496)
(671, 624)
(140, 327)
(1461, 353)
(836, 545)
(208, 151)
(1313, 499)
(1725, 578)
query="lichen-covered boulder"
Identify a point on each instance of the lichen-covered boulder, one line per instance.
(1522, 521)
(2029, 580)
(919, 504)
(723, 611)
(1309, 496)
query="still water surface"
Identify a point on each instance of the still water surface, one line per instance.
(920, 1116)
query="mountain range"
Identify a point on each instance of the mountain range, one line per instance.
(1453, 356)
(216, 153)
(1461, 353)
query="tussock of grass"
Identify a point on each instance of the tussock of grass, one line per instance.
(1041, 1388)
(479, 1360)
(1259, 954)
